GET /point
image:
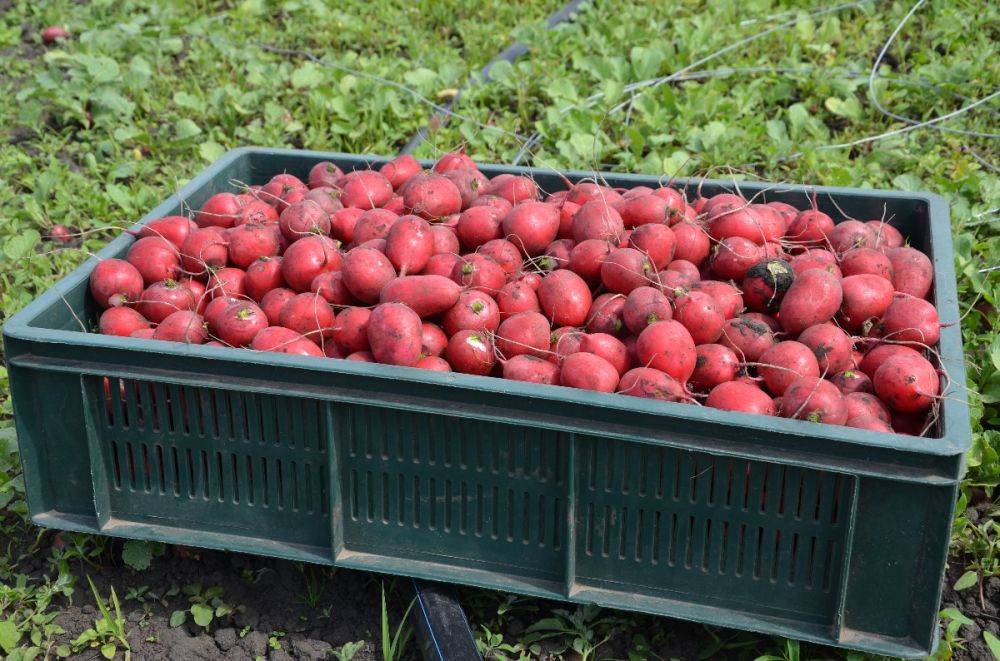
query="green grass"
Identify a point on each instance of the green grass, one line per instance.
(99, 129)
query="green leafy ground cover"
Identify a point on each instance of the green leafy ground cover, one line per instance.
(97, 130)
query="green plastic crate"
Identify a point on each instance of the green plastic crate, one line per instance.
(816, 532)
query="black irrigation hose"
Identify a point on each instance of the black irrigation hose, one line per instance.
(509, 54)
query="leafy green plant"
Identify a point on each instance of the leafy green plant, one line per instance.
(207, 606)
(348, 650)
(394, 642)
(139, 554)
(582, 630)
(108, 633)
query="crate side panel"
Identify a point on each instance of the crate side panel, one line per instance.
(440, 488)
(217, 460)
(718, 531)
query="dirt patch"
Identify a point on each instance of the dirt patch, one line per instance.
(283, 610)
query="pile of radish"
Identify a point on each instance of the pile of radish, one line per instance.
(720, 301)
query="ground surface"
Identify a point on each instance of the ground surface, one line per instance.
(95, 131)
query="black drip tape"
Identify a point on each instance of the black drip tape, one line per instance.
(509, 54)
(442, 630)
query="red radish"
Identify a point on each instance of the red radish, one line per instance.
(700, 315)
(731, 220)
(531, 226)
(364, 189)
(373, 224)
(324, 173)
(748, 338)
(309, 315)
(513, 189)
(565, 298)
(886, 236)
(767, 320)
(198, 291)
(60, 233)
(851, 234)
(361, 357)
(273, 301)
(304, 218)
(226, 282)
(606, 314)
(263, 275)
(477, 225)
(765, 284)
(155, 258)
(784, 362)
(668, 347)
(204, 249)
(881, 353)
(912, 271)
(813, 399)
(239, 324)
(494, 201)
(587, 191)
(557, 255)
(907, 383)
(432, 339)
(727, 296)
(366, 272)
(586, 258)
(851, 380)
(274, 338)
(330, 285)
(182, 326)
(331, 350)
(174, 229)
(657, 241)
(342, 224)
(256, 211)
(470, 352)
(214, 310)
(630, 194)
(288, 180)
(692, 242)
(326, 198)
(786, 211)
(442, 264)
(427, 295)
(649, 383)
(517, 296)
(454, 161)
(122, 321)
(533, 280)
(810, 228)
(815, 258)
(607, 347)
(625, 269)
(53, 34)
(114, 282)
(866, 298)
(433, 363)
(475, 310)
(307, 258)
(477, 271)
(250, 242)
(643, 210)
(399, 169)
(468, 181)
(445, 241)
(161, 299)
(910, 320)
(645, 306)
(394, 332)
(598, 220)
(409, 244)
(523, 333)
(814, 297)
(350, 330)
(589, 372)
(564, 341)
(566, 212)
(869, 423)
(741, 397)
(531, 369)
(685, 267)
(432, 197)
(221, 210)
(831, 345)
(143, 333)
(733, 257)
(714, 364)
(866, 260)
(866, 404)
